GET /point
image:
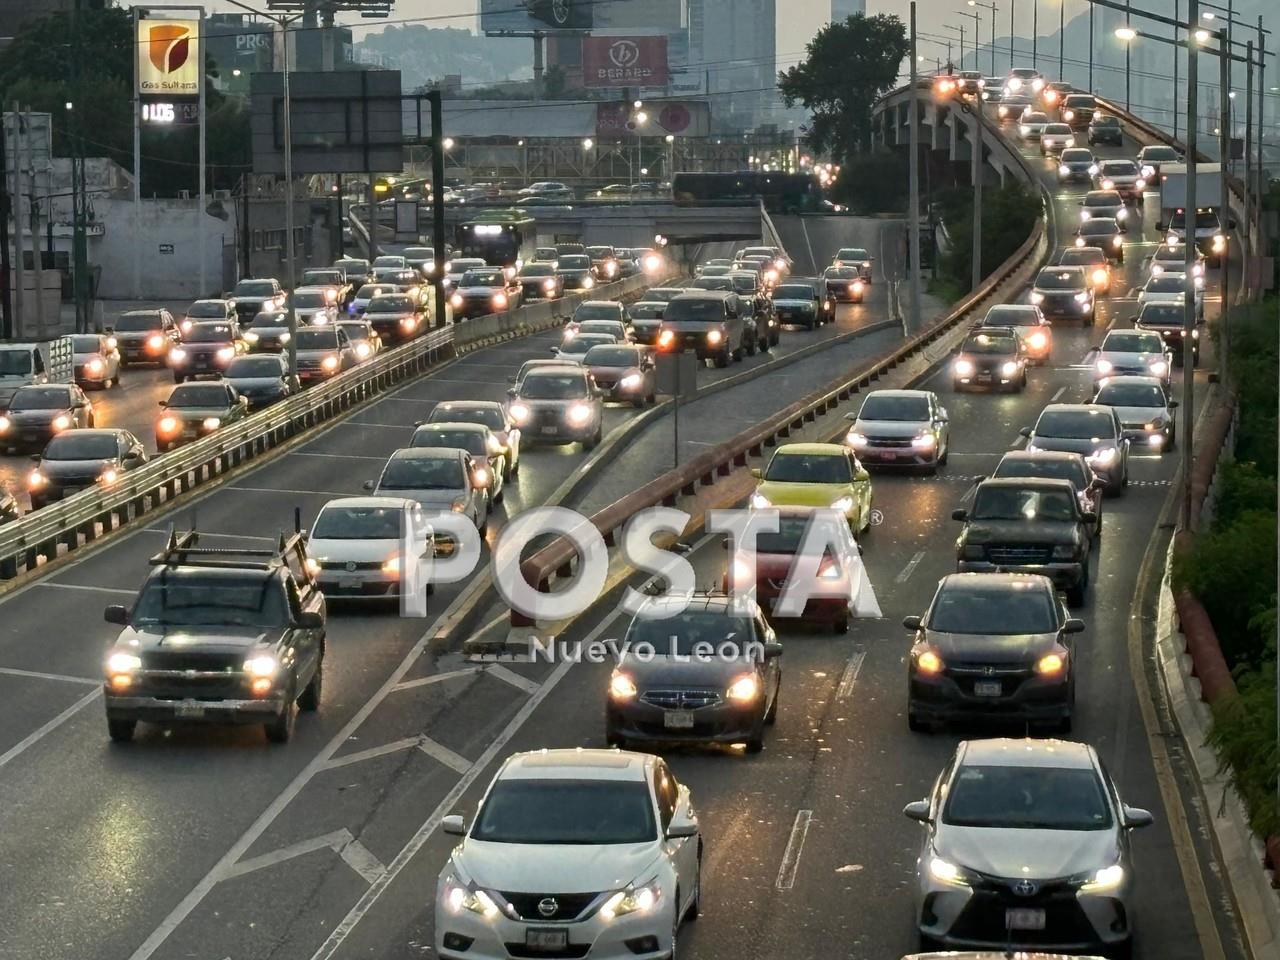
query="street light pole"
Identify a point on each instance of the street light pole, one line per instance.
(994, 10)
(913, 179)
(1035, 33)
(1189, 296)
(1062, 36)
(976, 146)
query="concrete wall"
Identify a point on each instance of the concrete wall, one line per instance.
(165, 242)
(26, 319)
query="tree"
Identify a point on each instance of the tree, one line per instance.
(847, 66)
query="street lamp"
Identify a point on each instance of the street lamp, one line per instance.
(977, 22)
(448, 143)
(994, 10)
(671, 154)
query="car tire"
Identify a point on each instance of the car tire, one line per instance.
(639, 403)
(121, 731)
(652, 399)
(178, 378)
(593, 442)
(310, 699)
(506, 469)
(280, 729)
(755, 743)
(771, 717)
(840, 625)
(721, 361)
(90, 421)
(695, 903)
(916, 725)
(1122, 950)
(1076, 594)
(946, 452)
(749, 348)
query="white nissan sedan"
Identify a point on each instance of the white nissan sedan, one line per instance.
(573, 853)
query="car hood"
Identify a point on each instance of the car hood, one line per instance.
(666, 672)
(211, 638)
(994, 649)
(1140, 414)
(256, 384)
(1085, 446)
(890, 429)
(1035, 854)
(357, 550)
(437, 500)
(795, 304)
(75, 468)
(1020, 531)
(529, 867)
(196, 413)
(802, 494)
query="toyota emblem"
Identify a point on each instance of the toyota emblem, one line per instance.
(1025, 888)
(351, 566)
(548, 907)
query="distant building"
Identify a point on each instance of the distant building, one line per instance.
(843, 9)
(734, 44)
(15, 14)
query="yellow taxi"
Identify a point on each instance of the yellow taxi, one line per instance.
(816, 475)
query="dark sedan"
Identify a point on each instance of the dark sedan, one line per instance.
(144, 336)
(262, 379)
(39, 412)
(540, 281)
(577, 271)
(1058, 465)
(844, 284)
(990, 358)
(992, 645)
(79, 459)
(206, 350)
(196, 410)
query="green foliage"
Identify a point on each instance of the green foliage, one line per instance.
(1009, 214)
(873, 183)
(847, 66)
(1244, 489)
(1253, 364)
(1244, 735)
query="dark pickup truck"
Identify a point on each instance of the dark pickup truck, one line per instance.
(1027, 525)
(251, 626)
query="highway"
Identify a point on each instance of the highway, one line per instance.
(212, 843)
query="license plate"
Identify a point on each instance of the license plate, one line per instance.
(890, 455)
(1024, 918)
(189, 710)
(988, 688)
(348, 584)
(678, 719)
(536, 938)
(549, 430)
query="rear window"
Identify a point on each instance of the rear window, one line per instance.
(85, 344)
(491, 417)
(390, 304)
(208, 309)
(254, 367)
(597, 311)
(254, 288)
(1053, 468)
(793, 291)
(574, 262)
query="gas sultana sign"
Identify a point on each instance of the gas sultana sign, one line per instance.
(169, 56)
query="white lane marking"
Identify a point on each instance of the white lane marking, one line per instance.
(907, 570)
(292, 493)
(510, 676)
(354, 853)
(39, 733)
(438, 751)
(850, 675)
(86, 586)
(37, 675)
(366, 902)
(436, 678)
(1057, 393)
(433, 749)
(335, 456)
(791, 856)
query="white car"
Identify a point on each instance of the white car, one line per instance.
(1145, 410)
(613, 328)
(1174, 258)
(314, 306)
(1132, 353)
(575, 348)
(356, 546)
(573, 853)
(1031, 124)
(96, 360)
(440, 479)
(454, 269)
(1171, 287)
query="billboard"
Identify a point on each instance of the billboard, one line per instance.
(647, 15)
(535, 16)
(624, 62)
(169, 56)
(684, 118)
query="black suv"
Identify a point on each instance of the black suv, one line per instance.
(1027, 525)
(712, 323)
(1169, 320)
(1105, 129)
(252, 630)
(990, 358)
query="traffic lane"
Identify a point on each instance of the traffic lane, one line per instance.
(812, 241)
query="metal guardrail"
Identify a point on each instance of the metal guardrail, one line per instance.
(557, 558)
(93, 512)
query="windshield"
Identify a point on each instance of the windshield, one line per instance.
(1131, 395)
(386, 303)
(1082, 257)
(1106, 122)
(321, 277)
(895, 408)
(309, 300)
(1008, 316)
(1204, 219)
(793, 291)
(1028, 798)
(358, 523)
(418, 253)
(597, 253)
(1163, 313)
(1054, 468)
(199, 395)
(1133, 343)
(41, 398)
(83, 344)
(579, 345)
(389, 261)
(597, 311)
(491, 417)
(1011, 503)
(352, 266)
(1099, 227)
(482, 278)
(537, 270)
(574, 262)
(582, 812)
(317, 338)
(544, 386)
(463, 264)
(208, 333)
(1167, 283)
(370, 290)
(840, 273)
(608, 328)
(1076, 155)
(706, 282)
(269, 318)
(471, 441)
(254, 288)
(692, 631)
(646, 311)
(809, 468)
(193, 599)
(695, 310)
(422, 473)
(1159, 153)
(130, 323)
(744, 284)
(1102, 198)
(1060, 279)
(356, 331)
(1075, 425)
(209, 309)
(1118, 168)
(788, 538)
(1004, 609)
(986, 343)
(1035, 116)
(77, 445)
(606, 356)
(253, 367)
(1078, 100)
(853, 253)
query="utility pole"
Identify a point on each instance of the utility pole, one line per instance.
(1189, 297)
(1248, 150)
(290, 252)
(6, 292)
(1224, 155)
(1176, 5)
(913, 204)
(34, 206)
(437, 202)
(1035, 33)
(976, 146)
(15, 199)
(1127, 103)
(1062, 38)
(79, 202)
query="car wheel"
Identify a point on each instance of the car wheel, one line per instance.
(756, 742)
(1076, 594)
(651, 399)
(695, 902)
(675, 926)
(121, 731)
(593, 442)
(310, 699)
(750, 348)
(1122, 950)
(90, 421)
(280, 730)
(772, 716)
(722, 361)
(178, 378)
(946, 452)
(840, 624)
(916, 725)
(639, 403)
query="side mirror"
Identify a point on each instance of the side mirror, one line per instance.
(911, 623)
(555, 349)
(961, 515)
(772, 649)
(511, 391)
(116, 614)
(163, 403)
(453, 825)
(679, 831)
(757, 473)
(919, 810)
(1025, 432)
(509, 380)
(370, 485)
(311, 620)
(243, 401)
(1161, 226)
(1073, 626)
(1136, 817)
(1173, 404)
(35, 458)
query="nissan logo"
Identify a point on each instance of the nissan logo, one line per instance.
(548, 907)
(1023, 888)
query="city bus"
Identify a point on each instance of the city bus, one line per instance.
(780, 192)
(502, 238)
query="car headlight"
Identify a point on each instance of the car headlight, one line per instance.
(1159, 368)
(499, 300)
(457, 898)
(1173, 239)
(1037, 341)
(458, 506)
(1082, 296)
(1009, 368)
(1093, 169)
(855, 287)
(1103, 457)
(391, 565)
(742, 573)
(1051, 663)
(5, 424)
(1108, 184)
(331, 295)
(1064, 170)
(212, 423)
(964, 368)
(95, 366)
(226, 354)
(622, 687)
(168, 425)
(636, 899)
(579, 414)
(1036, 297)
(946, 872)
(285, 337)
(844, 504)
(61, 422)
(1003, 111)
(456, 300)
(1080, 241)
(1108, 878)
(548, 284)
(928, 662)
(35, 480)
(1015, 83)
(1156, 270)
(108, 476)
(1100, 277)
(313, 566)
(760, 501)
(630, 381)
(178, 355)
(924, 441)
(1085, 215)
(1117, 241)
(1139, 184)
(1219, 242)
(1148, 172)
(1122, 213)
(587, 283)
(1102, 366)
(745, 689)
(262, 666)
(123, 663)
(363, 350)
(249, 336)
(519, 412)
(1024, 129)
(856, 439)
(1068, 115)
(714, 337)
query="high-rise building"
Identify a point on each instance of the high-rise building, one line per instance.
(734, 44)
(843, 9)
